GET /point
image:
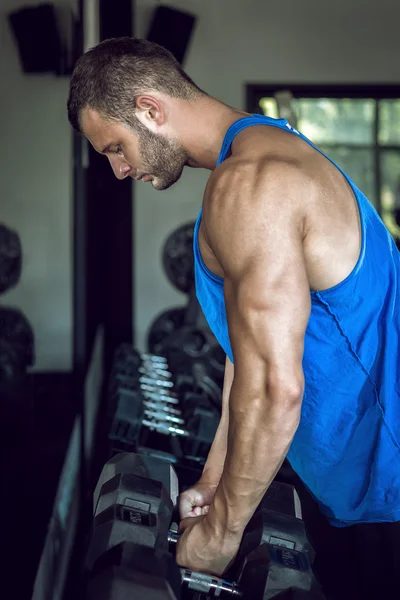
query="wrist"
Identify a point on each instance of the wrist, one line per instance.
(223, 518)
(210, 477)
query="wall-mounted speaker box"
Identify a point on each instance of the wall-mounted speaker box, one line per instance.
(172, 29)
(38, 33)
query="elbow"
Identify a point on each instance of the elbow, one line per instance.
(291, 396)
(285, 409)
(279, 401)
(285, 403)
(285, 391)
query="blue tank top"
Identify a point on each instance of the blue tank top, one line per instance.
(347, 446)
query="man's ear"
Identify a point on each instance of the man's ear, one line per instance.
(150, 111)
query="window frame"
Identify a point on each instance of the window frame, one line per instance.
(256, 91)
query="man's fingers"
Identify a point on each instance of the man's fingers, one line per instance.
(195, 501)
(186, 508)
(190, 505)
(196, 511)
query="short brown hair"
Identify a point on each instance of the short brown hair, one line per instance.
(109, 77)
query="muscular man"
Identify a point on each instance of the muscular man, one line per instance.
(299, 280)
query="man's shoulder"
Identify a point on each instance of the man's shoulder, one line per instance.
(257, 183)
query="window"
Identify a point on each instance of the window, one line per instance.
(359, 128)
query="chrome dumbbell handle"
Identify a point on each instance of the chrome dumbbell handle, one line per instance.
(165, 429)
(203, 583)
(153, 358)
(160, 383)
(160, 416)
(146, 387)
(210, 585)
(154, 372)
(173, 537)
(162, 407)
(152, 395)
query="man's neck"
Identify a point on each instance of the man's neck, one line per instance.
(203, 126)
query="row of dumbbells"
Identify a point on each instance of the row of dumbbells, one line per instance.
(143, 396)
(147, 376)
(130, 554)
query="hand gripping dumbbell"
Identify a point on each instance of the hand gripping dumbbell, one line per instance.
(129, 545)
(275, 557)
(274, 560)
(128, 550)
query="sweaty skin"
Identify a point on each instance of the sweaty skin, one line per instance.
(278, 221)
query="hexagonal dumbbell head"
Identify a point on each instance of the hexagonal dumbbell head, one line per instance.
(144, 466)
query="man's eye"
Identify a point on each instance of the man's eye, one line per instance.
(119, 150)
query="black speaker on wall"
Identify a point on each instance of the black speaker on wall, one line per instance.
(37, 35)
(172, 29)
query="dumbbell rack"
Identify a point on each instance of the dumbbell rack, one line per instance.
(150, 408)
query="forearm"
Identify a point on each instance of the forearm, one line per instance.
(259, 436)
(216, 458)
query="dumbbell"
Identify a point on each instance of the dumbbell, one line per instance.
(129, 546)
(132, 413)
(275, 556)
(131, 518)
(152, 405)
(143, 376)
(130, 419)
(127, 357)
(128, 553)
(271, 570)
(146, 369)
(134, 416)
(154, 386)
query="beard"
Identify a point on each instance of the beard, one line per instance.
(162, 158)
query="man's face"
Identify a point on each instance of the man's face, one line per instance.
(138, 153)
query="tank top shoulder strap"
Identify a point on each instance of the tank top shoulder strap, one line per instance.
(241, 124)
(255, 119)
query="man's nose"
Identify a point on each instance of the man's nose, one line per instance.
(121, 168)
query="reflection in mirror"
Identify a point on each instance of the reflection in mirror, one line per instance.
(37, 404)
